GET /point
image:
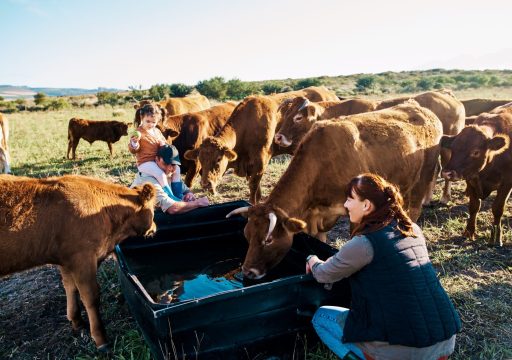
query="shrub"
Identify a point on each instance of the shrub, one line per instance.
(215, 88)
(304, 83)
(158, 92)
(271, 88)
(180, 90)
(105, 97)
(425, 84)
(118, 112)
(365, 83)
(56, 104)
(136, 94)
(40, 98)
(237, 89)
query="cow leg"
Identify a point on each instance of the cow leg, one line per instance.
(73, 149)
(192, 172)
(474, 207)
(447, 192)
(73, 309)
(84, 274)
(254, 188)
(497, 210)
(110, 148)
(70, 144)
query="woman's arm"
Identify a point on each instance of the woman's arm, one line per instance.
(352, 257)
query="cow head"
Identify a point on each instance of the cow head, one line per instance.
(121, 129)
(214, 156)
(297, 120)
(4, 161)
(472, 149)
(269, 231)
(141, 222)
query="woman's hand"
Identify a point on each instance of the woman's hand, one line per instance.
(310, 261)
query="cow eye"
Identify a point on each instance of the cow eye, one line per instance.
(475, 153)
(297, 118)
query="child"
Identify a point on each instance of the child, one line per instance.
(145, 146)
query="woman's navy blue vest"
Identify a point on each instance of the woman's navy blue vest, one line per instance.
(397, 297)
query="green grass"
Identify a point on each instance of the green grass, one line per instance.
(477, 277)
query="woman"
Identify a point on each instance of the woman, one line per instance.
(399, 310)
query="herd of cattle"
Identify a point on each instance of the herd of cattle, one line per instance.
(407, 140)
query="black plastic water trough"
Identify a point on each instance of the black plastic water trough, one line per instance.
(185, 290)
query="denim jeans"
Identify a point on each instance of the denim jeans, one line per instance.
(328, 323)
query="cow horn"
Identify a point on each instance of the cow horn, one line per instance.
(273, 220)
(304, 104)
(240, 210)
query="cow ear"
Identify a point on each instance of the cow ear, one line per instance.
(446, 141)
(230, 154)
(312, 113)
(294, 225)
(147, 193)
(191, 154)
(499, 143)
(172, 133)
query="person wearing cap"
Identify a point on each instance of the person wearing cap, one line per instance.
(183, 200)
(145, 142)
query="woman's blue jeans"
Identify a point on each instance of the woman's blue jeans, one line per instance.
(329, 322)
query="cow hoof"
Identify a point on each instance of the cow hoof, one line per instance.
(78, 325)
(469, 234)
(104, 349)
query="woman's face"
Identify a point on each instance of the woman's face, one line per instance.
(148, 121)
(357, 208)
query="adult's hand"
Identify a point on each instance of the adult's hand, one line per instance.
(189, 197)
(202, 201)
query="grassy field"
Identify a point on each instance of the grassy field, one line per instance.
(33, 321)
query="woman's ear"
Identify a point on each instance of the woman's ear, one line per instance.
(368, 206)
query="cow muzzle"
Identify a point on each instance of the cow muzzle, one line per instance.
(451, 175)
(281, 140)
(209, 186)
(151, 231)
(252, 274)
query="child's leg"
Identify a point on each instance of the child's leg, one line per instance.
(151, 168)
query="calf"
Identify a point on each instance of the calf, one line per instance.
(73, 222)
(4, 151)
(190, 129)
(109, 131)
(481, 155)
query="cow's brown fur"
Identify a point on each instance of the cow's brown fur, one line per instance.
(109, 131)
(481, 154)
(73, 222)
(478, 106)
(245, 141)
(400, 144)
(296, 123)
(176, 106)
(189, 130)
(4, 146)
(449, 110)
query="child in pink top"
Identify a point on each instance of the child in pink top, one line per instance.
(145, 146)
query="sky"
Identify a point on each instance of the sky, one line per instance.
(115, 43)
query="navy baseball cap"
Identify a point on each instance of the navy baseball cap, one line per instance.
(169, 154)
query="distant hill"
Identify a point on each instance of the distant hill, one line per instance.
(9, 92)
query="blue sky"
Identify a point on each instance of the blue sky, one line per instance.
(114, 43)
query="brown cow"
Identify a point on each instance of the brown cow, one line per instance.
(245, 141)
(189, 130)
(400, 144)
(91, 130)
(449, 110)
(481, 154)
(73, 222)
(176, 106)
(301, 115)
(5, 160)
(478, 106)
